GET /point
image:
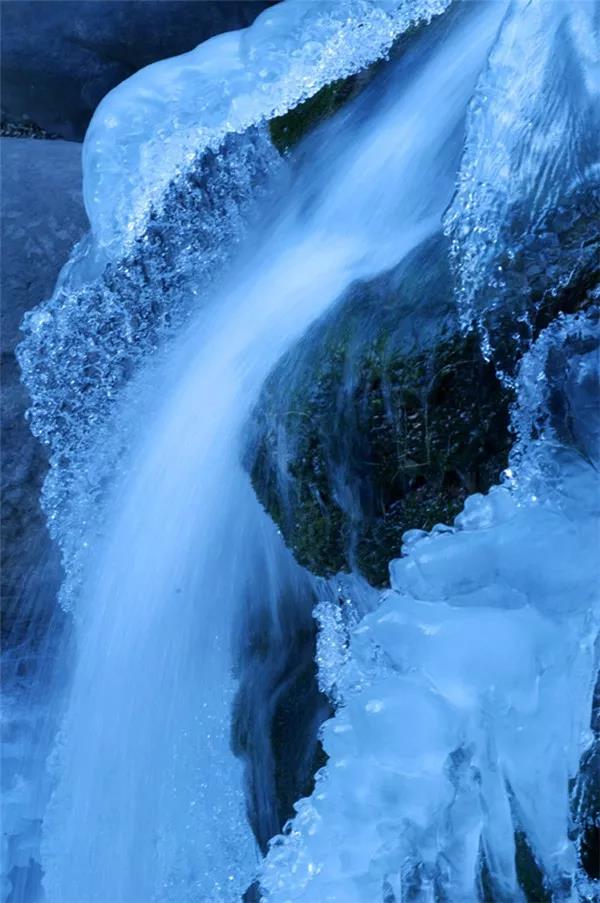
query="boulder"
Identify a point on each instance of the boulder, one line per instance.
(387, 414)
(383, 419)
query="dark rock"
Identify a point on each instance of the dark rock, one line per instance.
(386, 416)
(288, 129)
(529, 872)
(383, 419)
(24, 129)
(278, 709)
(60, 59)
(586, 798)
(553, 269)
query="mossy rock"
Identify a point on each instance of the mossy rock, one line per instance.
(387, 415)
(288, 129)
(382, 420)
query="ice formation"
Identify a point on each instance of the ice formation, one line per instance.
(532, 144)
(467, 692)
(156, 122)
(168, 545)
(464, 697)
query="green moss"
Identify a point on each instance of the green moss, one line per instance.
(438, 430)
(288, 129)
(379, 423)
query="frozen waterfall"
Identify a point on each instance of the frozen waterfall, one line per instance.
(461, 696)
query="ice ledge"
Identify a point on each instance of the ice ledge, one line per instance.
(151, 126)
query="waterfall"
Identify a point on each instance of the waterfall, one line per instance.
(209, 257)
(149, 798)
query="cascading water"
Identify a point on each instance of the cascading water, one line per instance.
(166, 545)
(144, 751)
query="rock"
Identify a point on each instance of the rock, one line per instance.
(383, 419)
(585, 798)
(287, 130)
(60, 59)
(554, 268)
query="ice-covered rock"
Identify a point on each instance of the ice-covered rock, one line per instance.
(43, 216)
(151, 126)
(467, 692)
(533, 126)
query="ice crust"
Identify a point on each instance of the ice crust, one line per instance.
(532, 142)
(150, 128)
(467, 692)
(83, 347)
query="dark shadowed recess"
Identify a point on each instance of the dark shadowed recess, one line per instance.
(60, 58)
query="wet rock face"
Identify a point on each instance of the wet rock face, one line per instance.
(383, 420)
(60, 59)
(43, 216)
(586, 798)
(278, 710)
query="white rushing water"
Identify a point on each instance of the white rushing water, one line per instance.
(149, 800)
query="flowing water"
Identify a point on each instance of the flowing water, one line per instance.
(148, 798)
